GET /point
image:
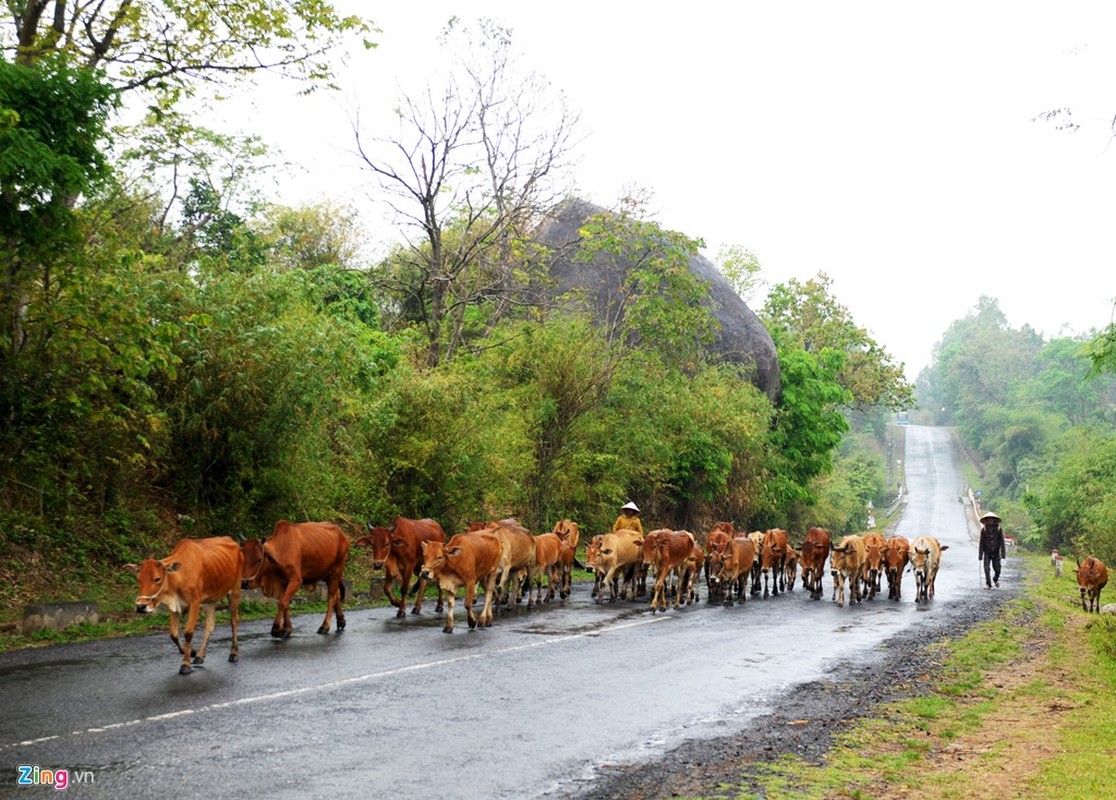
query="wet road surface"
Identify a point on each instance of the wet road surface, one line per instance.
(536, 706)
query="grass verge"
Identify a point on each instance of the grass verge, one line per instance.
(1023, 707)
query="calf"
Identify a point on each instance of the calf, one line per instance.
(873, 562)
(296, 555)
(1092, 575)
(465, 560)
(815, 552)
(896, 555)
(926, 558)
(757, 542)
(847, 563)
(198, 572)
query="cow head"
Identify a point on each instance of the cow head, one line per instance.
(433, 559)
(837, 556)
(153, 582)
(253, 551)
(380, 540)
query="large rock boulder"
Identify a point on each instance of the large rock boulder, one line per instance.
(742, 338)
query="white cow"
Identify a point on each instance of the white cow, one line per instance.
(926, 557)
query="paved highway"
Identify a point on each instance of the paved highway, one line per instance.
(536, 706)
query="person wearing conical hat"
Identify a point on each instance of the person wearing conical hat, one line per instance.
(628, 519)
(992, 548)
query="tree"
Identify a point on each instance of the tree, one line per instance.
(167, 49)
(470, 172)
(741, 267)
(808, 317)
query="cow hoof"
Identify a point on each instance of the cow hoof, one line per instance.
(198, 660)
(285, 635)
(185, 669)
(233, 658)
(340, 626)
(416, 611)
(277, 633)
(323, 630)
(400, 614)
(447, 630)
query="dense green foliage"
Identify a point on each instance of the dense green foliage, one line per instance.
(1042, 419)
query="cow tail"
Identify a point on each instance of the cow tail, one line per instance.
(341, 589)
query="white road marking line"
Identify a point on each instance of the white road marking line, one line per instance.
(325, 687)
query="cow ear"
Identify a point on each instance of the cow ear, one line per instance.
(944, 547)
(454, 551)
(174, 567)
(132, 568)
(397, 540)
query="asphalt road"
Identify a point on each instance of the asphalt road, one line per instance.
(540, 705)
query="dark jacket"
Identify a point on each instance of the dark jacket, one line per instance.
(992, 541)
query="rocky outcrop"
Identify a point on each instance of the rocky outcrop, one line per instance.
(742, 338)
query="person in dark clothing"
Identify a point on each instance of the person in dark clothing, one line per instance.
(992, 548)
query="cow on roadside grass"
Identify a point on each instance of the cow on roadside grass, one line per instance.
(197, 573)
(1092, 576)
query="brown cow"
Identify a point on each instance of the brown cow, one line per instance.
(773, 560)
(197, 573)
(618, 560)
(896, 555)
(298, 554)
(757, 542)
(667, 552)
(926, 558)
(874, 544)
(568, 531)
(592, 552)
(517, 561)
(398, 550)
(465, 560)
(716, 542)
(565, 568)
(791, 568)
(815, 552)
(547, 551)
(733, 568)
(1092, 575)
(846, 559)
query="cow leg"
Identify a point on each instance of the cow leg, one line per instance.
(188, 637)
(285, 608)
(333, 592)
(420, 593)
(486, 611)
(389, 578)
(234, 614)
(470, 599)
(178, 643)
(210, 624)
(451, 598)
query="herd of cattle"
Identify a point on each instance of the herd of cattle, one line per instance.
(507, 562)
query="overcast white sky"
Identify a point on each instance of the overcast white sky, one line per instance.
(888, 144)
